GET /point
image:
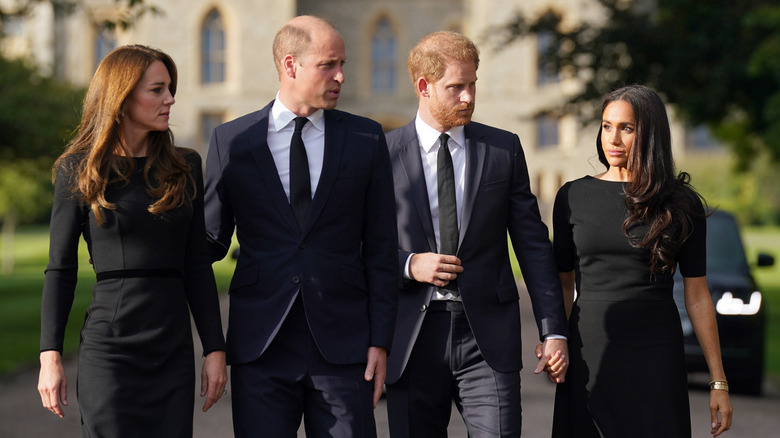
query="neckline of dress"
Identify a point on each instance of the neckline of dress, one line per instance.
(605, 180)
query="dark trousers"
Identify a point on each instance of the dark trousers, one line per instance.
(292, 380)
(445, 366)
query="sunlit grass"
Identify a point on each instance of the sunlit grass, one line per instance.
(20, 295)
(767, 240)
(20, 298)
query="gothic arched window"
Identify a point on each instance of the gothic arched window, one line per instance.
(212, 49)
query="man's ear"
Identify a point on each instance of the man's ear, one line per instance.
(423, 87)
(289, 66)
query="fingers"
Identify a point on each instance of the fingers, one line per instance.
(377, 391)
(437, 269)
(553, 359)
(213, 394)
(717, 426)
(450, 260)
(376, 370)
(720, 412)
(540, 365)
(52, 384)
(213, 379)
(374, 374)
(50, 398)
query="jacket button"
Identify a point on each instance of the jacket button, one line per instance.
(423, 308)
(296, 279)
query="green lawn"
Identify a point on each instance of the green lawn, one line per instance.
(767, 240)
(20, 295)
(20, 298)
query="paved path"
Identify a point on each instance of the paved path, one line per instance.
(21, 414)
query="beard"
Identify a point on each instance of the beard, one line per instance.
(450, 117)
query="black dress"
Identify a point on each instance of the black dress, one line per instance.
(627, 374)
(136, 370)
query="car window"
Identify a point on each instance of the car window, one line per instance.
(724, 245)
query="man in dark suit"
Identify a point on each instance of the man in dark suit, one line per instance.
(460, 187)
(313, 298)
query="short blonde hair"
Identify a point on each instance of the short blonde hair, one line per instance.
(295, 37)
(429, 57)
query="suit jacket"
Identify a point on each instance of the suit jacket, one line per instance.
(342, 260)
(497, 199)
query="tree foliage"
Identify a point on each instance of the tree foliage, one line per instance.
(37, 115)
(716, 61)
(128, 11)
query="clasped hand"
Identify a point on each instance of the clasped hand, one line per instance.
(436, 269)
(553, 357)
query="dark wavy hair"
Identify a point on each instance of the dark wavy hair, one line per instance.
(99, 144)
(656, 196)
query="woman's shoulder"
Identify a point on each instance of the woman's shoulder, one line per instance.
(190, 155)
(588, 182)
(70, 159)
(573, 185)
(69, 164)
(689, 197)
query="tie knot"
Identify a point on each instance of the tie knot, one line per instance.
(299, 122)
(443, 139)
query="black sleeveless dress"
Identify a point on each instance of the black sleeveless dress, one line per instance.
(627, 374)
(136, 370)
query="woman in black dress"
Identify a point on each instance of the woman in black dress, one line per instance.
(138, 202)
(619, 237)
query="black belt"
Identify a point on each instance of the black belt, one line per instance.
(445, 306)
(135, 273)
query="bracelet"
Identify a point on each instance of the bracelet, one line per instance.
(719, 384)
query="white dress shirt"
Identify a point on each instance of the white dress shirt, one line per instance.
(429, 150)
(280, 131)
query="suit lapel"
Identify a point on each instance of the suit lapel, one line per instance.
(264, 160)
(335, 138)
(475, 162)
(412, 165)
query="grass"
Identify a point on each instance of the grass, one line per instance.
(20, 298)
(20, 295)
(767, 240)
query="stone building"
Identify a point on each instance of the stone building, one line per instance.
(223, 52)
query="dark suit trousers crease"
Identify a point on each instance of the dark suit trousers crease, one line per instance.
(446, 366)
(292, 380)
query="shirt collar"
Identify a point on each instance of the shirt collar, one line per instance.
(429, 137)
(282, 116)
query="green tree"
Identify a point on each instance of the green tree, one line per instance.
(37, 115)
(716, 61)
(128, 11)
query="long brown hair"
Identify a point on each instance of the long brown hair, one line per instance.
(100, 149)
(655, 196)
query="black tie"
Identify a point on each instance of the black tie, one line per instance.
(448, 214)
(300, 182)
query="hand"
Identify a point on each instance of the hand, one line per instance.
(213, 378)
(553, 358)
(720, 405)
(436, 269)
(376, 370)
(52, 384)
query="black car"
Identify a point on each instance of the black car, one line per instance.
(739, 309)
